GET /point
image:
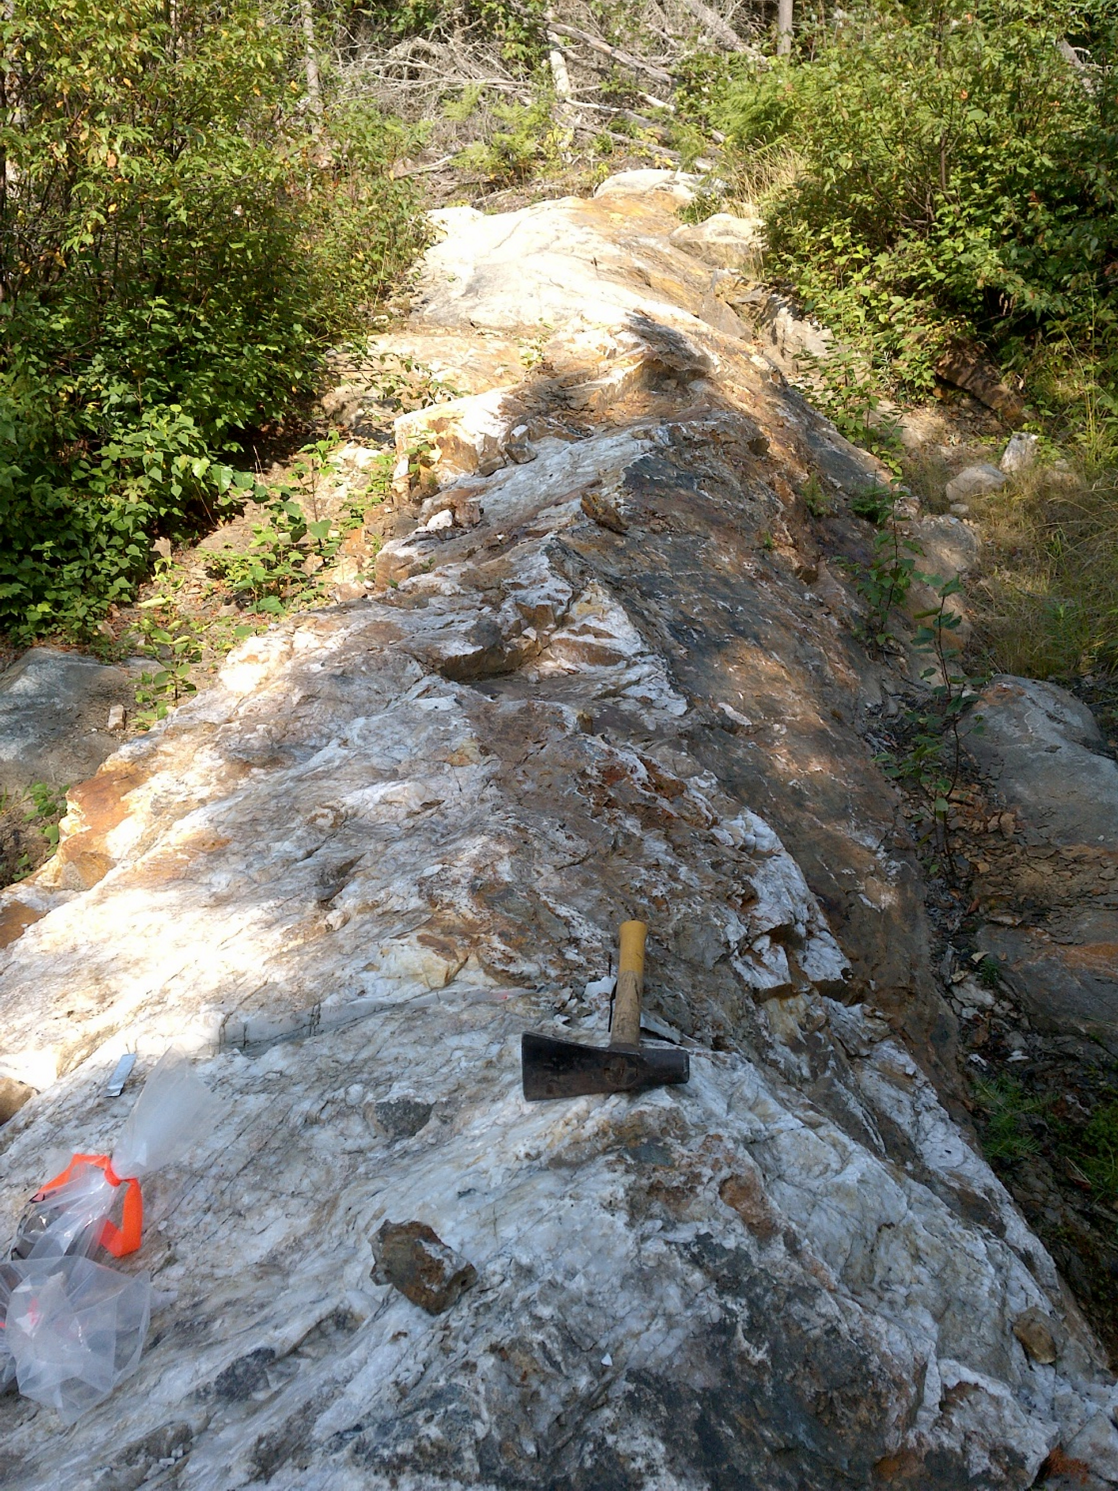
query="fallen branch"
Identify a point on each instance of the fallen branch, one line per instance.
(436, 165)
(615, 54)
(715, 27)
(629, 143)
(617, 111)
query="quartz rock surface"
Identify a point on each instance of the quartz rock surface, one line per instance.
(402, 830)
(724, 241)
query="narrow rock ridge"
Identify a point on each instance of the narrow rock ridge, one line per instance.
(610, 673)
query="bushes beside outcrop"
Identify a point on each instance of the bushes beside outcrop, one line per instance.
(957, 180)
(181, 227)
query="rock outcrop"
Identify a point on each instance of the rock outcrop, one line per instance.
(55, 710)
(1043, 755)
(609, 672)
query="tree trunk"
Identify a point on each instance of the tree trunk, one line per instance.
(310, 63)
(784, 28)
(561, 79)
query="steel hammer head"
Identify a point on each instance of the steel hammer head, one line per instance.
(565, 1069)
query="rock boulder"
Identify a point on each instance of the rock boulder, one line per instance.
(54, 716)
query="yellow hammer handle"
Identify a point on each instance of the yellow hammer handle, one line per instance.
(626, 1028)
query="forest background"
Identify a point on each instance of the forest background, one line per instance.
(198, 199)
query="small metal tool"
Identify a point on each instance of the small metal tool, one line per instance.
(121, 1073)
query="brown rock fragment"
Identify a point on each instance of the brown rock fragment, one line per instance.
(603, 512)
(13, 1095)
(967, 368)
(15, 918)
(1034, 1332)
(745, 1195)
(414, 1259)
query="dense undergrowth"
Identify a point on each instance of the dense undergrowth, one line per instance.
(957, 178)
(945, 175)
(181, 231)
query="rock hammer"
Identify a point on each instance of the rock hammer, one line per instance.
(567, 1069)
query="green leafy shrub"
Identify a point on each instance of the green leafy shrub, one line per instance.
(958, 177)
(519, 138)
(174, 249)
(517, 25)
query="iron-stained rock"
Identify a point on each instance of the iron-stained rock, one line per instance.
(414, 1259)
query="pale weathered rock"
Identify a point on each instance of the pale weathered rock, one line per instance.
(724, 241)
(115, 720)
(13, 1095)
(681, 186)
(1041, 749)
(794, 338)
(1020, 453)
(53, 708)
(397, 833)
(973, 481)
(466, 435)
(1096, 1445)
(948, 551)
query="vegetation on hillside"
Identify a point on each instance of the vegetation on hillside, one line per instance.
(943, 175)
(194, 202)
(181, 230)
(956, 178)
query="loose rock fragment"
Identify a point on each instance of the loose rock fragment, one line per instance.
(975, 480)
(603, 512)
(1035, 1334)
(402, 1117)
(13, 1095)
(414, 1259)
(1020, 453)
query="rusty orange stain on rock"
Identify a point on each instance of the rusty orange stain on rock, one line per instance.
(99, 805)
(102, 801)
(15, 919)
(81, 868)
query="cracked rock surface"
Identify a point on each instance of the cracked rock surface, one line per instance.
(399, 831)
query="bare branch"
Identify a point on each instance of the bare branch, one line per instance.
(615, 54)
(714, 26)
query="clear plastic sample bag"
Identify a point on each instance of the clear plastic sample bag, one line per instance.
(96, 1202)
(73, 1330)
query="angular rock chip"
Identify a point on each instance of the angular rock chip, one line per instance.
(414, 1259)
(1034, 1331)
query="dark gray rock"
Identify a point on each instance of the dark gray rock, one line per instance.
(1068, 986)
(1040, 749)
(54, 713)
(402, 1117)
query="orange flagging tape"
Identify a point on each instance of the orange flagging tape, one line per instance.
(119, 1241)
